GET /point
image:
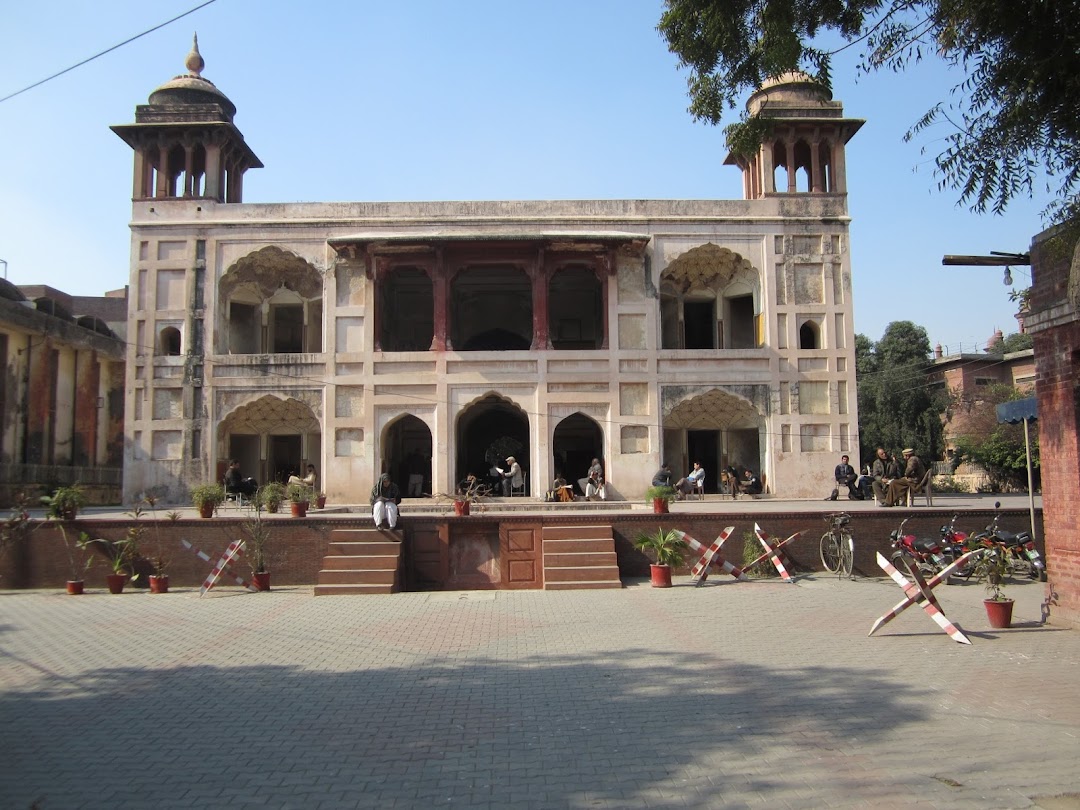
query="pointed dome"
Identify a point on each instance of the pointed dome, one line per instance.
(191, 88)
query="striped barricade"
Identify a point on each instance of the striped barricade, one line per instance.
(711, 556)
(774, 553)
(233, 552)
(921, 592)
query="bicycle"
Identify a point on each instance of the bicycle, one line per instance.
(837, 546)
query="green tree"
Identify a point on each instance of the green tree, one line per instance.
(1012, 116)
(1015, 342)
(997, 448)
(897, 407)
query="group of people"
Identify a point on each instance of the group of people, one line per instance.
(887, 480)
(594, 485)
(747, 483)
(236, 481)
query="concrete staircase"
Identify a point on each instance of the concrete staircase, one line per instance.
(361, 561)
(579, 557)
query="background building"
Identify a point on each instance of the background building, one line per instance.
(434, 339)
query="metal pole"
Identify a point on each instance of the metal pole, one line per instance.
(1031, 488)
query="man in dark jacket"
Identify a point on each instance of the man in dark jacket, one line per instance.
(385, 496)
(845, 476)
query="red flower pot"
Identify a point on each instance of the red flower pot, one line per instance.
(116, 582)
(299, 508)
(461, 508)
(661, 576)
(262, 581)
(159, 584)
(320, 502)
(75, 587)
(207, 510)
(660, 506)
(999, 612)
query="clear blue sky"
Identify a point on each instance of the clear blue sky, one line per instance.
(427, 100)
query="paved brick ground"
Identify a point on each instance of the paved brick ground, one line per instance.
(757, 694)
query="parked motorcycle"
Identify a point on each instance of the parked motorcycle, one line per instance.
(928, 554)
(1022, 556)
(953, 544)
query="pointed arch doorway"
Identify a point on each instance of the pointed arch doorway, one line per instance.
(577, 440)
(488, 431)
(271, 437)
(407, 455)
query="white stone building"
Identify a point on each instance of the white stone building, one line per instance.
(431, 339)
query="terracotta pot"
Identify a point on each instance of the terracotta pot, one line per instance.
(299, 508)
(207, 510)
(273, 507)
(660, 506)
(116, 582)
(70, 513)
(75, 587)
(661, 576)
(999, 612)
(320, 502)
(261, 581)
(159, 584)
(461, 508)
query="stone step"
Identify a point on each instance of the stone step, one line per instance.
(352, 590)
(380, 576)
(577, 533)
(359, 562)
(372, 547)
(579, 559)
(591, 573)
(365, 534)
(577, 546)
(581, 585)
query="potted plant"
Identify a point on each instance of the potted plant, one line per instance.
(270, 496)
(660, 496)
(65, 502)
(468, 492)
(79, 561)
(256, 548)
(300, 498)
(993, 566)
(160, 555)
(320, 500)
(207, 498)
(667, 547)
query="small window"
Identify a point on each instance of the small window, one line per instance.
(809, 336)
(170, 341)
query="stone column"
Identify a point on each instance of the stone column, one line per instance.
(439, 291)
(162, 189)
(767, 169)
(789, 147)
(815, 166)
(538, 274)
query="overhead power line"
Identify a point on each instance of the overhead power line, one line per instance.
(107, 50)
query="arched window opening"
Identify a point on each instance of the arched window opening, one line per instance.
(407, 449)
(176, 160)
(699, 323)
(169, 341)
(488, 431)
(825, 162)
(577, 440)
(740, 322)
(491, 309)
(803, 166)
(575, 300)
(809, 336)
(406, 311)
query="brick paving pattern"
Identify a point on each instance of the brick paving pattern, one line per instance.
(759, 694)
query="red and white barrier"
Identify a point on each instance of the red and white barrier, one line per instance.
(711, 556)
(921, 592)
(233, 552)
(774, 553)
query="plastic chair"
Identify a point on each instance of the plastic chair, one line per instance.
(523, 490)
(924, 487)
(233, 496)
(699, 488)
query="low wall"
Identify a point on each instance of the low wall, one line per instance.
(299, 544)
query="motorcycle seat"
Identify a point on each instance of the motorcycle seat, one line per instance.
(924, 544)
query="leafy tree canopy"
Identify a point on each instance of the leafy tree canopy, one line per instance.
(1014, 115)
(897, 407)
(1018, 341)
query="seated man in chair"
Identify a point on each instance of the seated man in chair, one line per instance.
(236, 482)
(512, 478)
(686, 485)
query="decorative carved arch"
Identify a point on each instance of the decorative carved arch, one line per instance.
(706, 267)
(714, 409)
(270, 414)
(270, 268)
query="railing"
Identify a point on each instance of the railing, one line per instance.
(59, 475)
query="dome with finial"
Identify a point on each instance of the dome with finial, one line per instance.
(793, 87)
(191, 88)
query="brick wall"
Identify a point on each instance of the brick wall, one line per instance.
(1055, 328)
(298, 545)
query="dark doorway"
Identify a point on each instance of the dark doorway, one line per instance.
(741, 317)
(491, 309)
(576, 442)
(244, 447)
(575, 319)
(699, 321)
(407, 456)
(284, 457)
(704, 446)
(487, 432)
(406, 311)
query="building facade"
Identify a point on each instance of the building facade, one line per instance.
(435, 339)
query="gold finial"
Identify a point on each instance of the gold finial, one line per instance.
(194, 62)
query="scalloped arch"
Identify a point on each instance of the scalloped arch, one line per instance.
(706, 267)
(269, 268)
(714, 409)
(271, 414)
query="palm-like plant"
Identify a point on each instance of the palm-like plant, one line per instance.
(665, 544)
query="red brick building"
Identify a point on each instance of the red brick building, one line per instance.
(1054, 324)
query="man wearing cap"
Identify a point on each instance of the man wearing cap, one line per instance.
(512, 477)
(913, 474)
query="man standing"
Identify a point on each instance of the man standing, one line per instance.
(913, 476)
(845, 476)
(385, 496)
